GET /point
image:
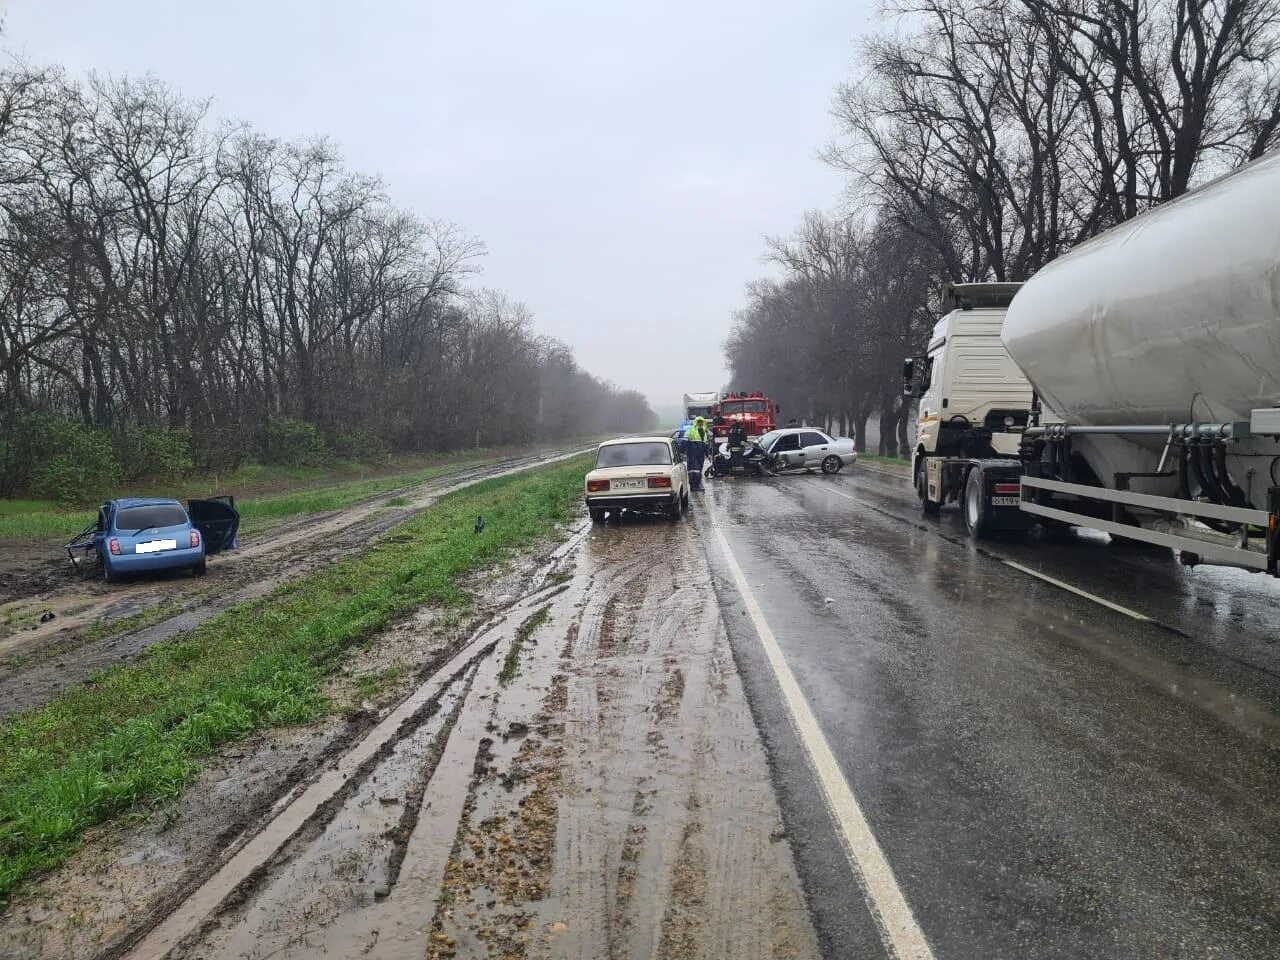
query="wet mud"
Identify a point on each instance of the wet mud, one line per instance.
(97, 625)
(622, 805)
(580, 779)
(133, 873)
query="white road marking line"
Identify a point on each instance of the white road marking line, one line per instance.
(898, 928)
(1076, 590)
(1061, 584)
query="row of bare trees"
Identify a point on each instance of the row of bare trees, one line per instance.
(983, 139)
(158, 268)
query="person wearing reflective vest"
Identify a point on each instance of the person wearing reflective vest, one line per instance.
(696, 441)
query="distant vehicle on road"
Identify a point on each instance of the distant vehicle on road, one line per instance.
(793, 448)
(700, 405)
(147, 534)
(640, 474)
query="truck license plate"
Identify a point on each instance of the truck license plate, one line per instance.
(155, 546)
(628, 485)
(1005, 501)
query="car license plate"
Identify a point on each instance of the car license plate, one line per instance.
(627, 485)
(1005, 501)
(155, 546)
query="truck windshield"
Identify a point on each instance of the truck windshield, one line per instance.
(743, 406)
(698, 412)
(152, 515)
(634, 455)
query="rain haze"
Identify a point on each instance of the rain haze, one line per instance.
(621, 163)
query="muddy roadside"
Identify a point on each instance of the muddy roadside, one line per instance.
(593, 786)
(132, 872)
(97, 625)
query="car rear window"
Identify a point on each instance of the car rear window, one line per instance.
(634, 455)
(153, 515)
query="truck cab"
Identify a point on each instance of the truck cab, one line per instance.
(974, 401)
(756, 412)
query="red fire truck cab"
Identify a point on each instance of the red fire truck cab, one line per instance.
(754, 411)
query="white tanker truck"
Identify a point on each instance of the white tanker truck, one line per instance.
(1131, 386)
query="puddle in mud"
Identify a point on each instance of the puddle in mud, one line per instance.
(611, 800)
(127, 871)
(635, 816)
(346, 863)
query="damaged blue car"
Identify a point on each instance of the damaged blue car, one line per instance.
(146, 534)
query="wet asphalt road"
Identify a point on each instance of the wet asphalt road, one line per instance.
(1046, 776)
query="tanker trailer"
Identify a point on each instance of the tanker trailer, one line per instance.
(1156, 346)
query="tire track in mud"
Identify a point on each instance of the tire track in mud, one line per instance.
(251, 572)
(667, 836)
(335, 848)
(613, 801)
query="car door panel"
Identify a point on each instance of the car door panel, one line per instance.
(815, 447)
(786, 451)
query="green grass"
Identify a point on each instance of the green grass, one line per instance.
(263, 511)
(135, 734)
(876, 458)
(371, 686)
(47, 520)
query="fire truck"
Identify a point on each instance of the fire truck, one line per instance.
(754, 411)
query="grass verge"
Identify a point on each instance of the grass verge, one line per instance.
(135, 734)
(876, 458)
(47, 520)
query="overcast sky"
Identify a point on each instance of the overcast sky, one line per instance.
(622, 162)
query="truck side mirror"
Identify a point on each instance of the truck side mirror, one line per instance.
(909, 386)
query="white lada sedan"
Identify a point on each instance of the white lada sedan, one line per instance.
(643, 474)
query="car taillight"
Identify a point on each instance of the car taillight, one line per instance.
(114, 546)
(658, 483)
(195, 538)
(1007, 488)
(596, 486)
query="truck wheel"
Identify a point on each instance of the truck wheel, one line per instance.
(597, 514)
(977, 506)
(831, 464)
(922, 490)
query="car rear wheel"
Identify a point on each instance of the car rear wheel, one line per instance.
(597, 514)
(831, 464)
(107, 574)
(200, 569)
(674, 509)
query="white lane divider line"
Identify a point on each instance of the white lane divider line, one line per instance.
(1032, 572)
(1076, 590)
(898, 928)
